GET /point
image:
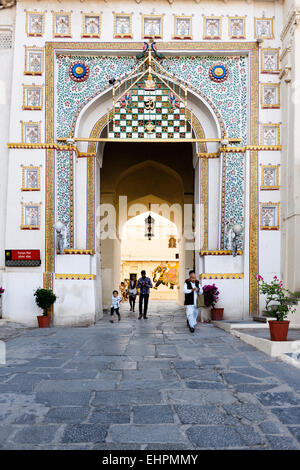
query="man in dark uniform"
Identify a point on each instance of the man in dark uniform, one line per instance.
(144, 284)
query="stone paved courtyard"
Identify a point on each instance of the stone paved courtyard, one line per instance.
(147, 384)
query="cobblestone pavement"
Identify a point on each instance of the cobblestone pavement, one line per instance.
(145, 384)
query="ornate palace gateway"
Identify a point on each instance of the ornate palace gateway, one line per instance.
(109, 107)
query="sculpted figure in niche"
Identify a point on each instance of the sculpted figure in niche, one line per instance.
(60, 229)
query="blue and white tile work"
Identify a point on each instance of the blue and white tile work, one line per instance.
(228, 98)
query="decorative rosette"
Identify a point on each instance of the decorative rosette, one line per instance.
(218, 73)
(79, 72)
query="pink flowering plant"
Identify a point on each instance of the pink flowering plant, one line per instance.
(279, 301)
(211, 295)
(2, 290)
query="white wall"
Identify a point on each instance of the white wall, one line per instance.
(11, 198)
(7, 20)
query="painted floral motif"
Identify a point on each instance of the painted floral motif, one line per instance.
(212, 28)
(270, 95)
(32, 97)
(31, 134)
(269, 216)
(35, 24)
(270, 177)
(72, 96)
(270, 60)
(270, 135)
(228, 99)
(264, 28)
(31, 178)
(122, 25)
(91, 25)
(218, 73)
(152, 27)
(232, 202)
(31, 216)
(62, 26)
(183, 27)
(79, 72)
(237, 28)
(34, 61)
(64, 179)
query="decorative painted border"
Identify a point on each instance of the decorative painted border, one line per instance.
(204, 27)
(30, 204)
(76, 277)
(61, 13)
(119, 35)
(239, 150)
(208, 155)
(222, 276)
(237, 216)
(32, 108)
(42, 14)
(88, 35)
(232, 36)
(218, 252)
(136, 46)
(178, 36)
(263, 37)
(96, 131)
(48, 283)
(36, 49)
(266, 49)
(262, 186)
(51, 146)
(73, 251)
(24, 168)
(250, 147)
(158, 36)
(31, 123)
(65, 208)
(265, 227)
(265, 105)
(272, 124)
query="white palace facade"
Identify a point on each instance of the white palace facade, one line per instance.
(111, 109)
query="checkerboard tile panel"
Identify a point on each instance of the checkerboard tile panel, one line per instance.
(149, 107)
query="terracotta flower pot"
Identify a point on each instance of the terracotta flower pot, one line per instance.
(43, 321)
(217, 313)
(278, 329)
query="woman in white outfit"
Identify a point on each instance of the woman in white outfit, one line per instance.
(191, 291)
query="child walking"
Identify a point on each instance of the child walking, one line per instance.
(115, 305)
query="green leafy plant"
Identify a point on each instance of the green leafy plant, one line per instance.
(279, 300)
(44, 298)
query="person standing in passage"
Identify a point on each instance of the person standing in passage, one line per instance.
(132, 290)
(191, 291)
(144, 284)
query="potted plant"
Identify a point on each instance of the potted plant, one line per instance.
(279, 303)
(2, 290)
(44, 298)
(211, 297)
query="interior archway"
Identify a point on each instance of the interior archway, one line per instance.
(159, 256)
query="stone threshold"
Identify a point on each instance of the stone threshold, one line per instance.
(272, 348)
